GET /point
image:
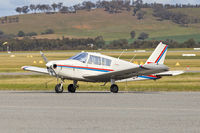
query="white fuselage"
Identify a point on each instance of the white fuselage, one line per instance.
(76, 70)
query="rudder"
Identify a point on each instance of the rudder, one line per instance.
(159, 54)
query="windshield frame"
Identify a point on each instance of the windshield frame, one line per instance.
(82, 57)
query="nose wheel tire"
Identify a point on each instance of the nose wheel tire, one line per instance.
(114, 88)
(71, 88)
(59, 88)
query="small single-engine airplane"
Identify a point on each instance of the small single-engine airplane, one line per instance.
(95, 67)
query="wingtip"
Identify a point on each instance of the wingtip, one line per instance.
(24, 67)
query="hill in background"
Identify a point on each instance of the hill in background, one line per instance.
(97, 22)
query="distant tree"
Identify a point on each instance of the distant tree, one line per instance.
(64, 9)
(71, 9)
(138, 3)
(44, 8)
(119, 44)
(190, 43)
(116, 6)
(140, 14)
(25, 9)
(48, 31)
(21, 34)
(59, 5)
(127, 5)
(99, 41)
(137, 6)
(48, 8)
(99, 4)
(135, 11)
(132, 34)
(77, 7)
(143, 36)
(38, 7)
(19, 10)
(33, 8)
(105, 4)
(176, 17)
(31, 34)
(88, 5)
(54, 6)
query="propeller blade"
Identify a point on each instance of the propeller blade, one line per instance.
(44, 57)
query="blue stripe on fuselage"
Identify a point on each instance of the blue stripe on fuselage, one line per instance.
(146, 77)
(86, 69)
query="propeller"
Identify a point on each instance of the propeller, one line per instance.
(50, 66)
(44, 57)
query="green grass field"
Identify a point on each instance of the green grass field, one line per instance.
(185, 82)
(100, 23)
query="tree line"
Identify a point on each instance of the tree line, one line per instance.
(113, 7)
(110, 6)
(175, 17)
(27, 44)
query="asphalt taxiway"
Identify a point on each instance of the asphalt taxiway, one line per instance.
(98, 112)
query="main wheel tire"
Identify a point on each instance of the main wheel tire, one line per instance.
(114, 88)
(71, 88)
(58, 88)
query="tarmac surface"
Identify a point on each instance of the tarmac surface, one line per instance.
(99, 112)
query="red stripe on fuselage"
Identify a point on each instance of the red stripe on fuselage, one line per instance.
(161, 54)
(149, 62)
(87, 67)
(152, 76)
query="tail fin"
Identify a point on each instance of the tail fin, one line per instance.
(158, 56)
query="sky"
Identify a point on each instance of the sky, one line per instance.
(7, 7)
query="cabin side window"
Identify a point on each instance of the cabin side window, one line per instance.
(94, 60)
(106, 62)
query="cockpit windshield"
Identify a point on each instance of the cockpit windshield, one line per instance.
(82, 57)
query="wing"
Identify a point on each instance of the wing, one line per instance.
(35, 69)
(147, 69)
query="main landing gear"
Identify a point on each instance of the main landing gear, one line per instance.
(114, 88)
(71, 88)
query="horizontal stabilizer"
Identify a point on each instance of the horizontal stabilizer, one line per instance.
(170, 73)
(35, 69)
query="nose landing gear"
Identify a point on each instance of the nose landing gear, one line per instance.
(59, 88)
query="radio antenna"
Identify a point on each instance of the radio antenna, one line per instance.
(122, 53)
(133, 58)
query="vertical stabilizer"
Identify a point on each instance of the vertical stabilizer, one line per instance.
(158, 55)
